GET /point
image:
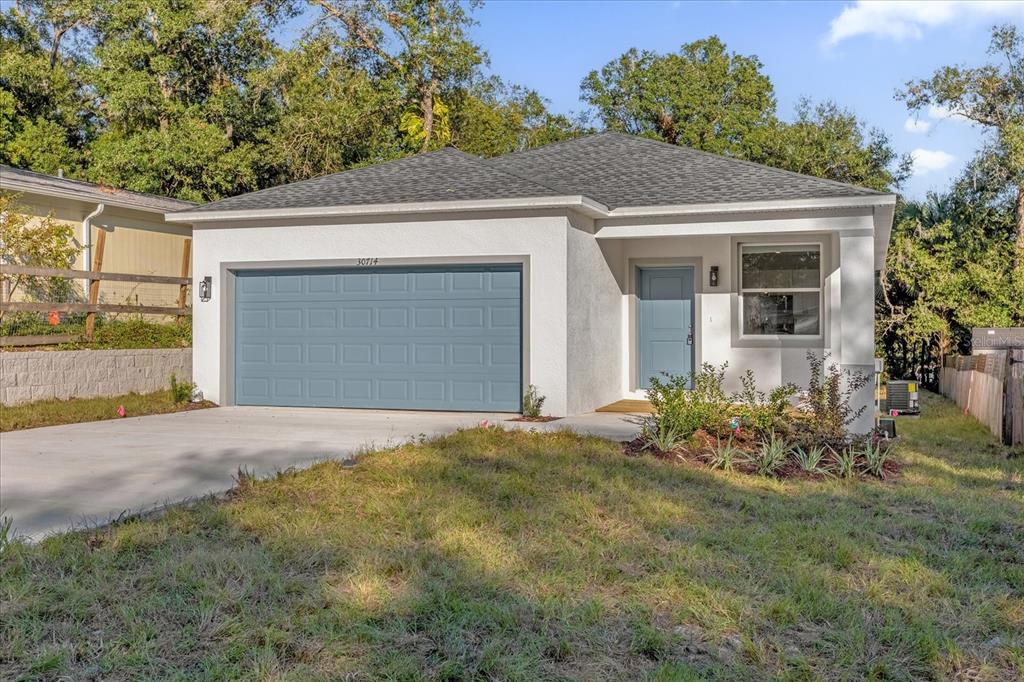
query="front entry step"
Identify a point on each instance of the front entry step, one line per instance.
(628, 407)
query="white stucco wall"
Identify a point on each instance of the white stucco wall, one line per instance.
(579, 302)
(594, 320)
(538, 242)
(847, 322)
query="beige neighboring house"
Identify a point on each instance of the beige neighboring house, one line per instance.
(138, 239)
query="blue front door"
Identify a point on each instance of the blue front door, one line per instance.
(665, 323)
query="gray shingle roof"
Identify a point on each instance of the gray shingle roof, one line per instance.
(624, 170)
(19, 180)
(614, 169)
(444, 175)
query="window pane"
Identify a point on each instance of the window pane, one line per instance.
(795, 313)
(781, 267)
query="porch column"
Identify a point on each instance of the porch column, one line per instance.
(857, 315)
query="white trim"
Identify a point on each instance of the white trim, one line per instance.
(747, 206)
(21, 187)
(577, 202)
(581, 203)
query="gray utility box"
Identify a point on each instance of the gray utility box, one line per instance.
(900, 396)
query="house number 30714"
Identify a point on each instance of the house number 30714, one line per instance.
(366, 261)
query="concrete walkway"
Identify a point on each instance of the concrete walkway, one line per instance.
(57, 477)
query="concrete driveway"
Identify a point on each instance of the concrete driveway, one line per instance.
(57, 477)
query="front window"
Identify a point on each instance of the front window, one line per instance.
(780, 286)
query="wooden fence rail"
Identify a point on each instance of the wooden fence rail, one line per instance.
(90, 274)
(990, 387)
(92, 305)
(43, 307)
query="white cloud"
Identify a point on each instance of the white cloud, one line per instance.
(902, 20)
(913, 125)
(928, 160)
(941, 113)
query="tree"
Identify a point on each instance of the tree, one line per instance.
(702, 97)
(707, 98)
(334, 114)
(173, 80)
(828, 141)
(494, 118)
(422, 44)
(991, 96)
(949, 269)
(43, 243)
(45, 118)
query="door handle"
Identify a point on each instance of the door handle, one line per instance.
(689, 337)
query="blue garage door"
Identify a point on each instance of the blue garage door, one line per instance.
(426, 338)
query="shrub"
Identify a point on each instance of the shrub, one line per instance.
(764, 414)
(532, 402)
(683, 410)
(181, 391)
(827, 401)
(772, 454)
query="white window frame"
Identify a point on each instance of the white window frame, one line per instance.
(820, 289)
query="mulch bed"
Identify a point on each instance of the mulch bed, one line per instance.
(540, 420)
(698, 449)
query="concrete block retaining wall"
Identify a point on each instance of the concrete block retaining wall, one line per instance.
(40, 375)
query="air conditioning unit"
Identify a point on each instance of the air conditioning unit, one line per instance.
(901, 397)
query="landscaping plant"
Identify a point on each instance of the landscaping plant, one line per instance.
(770, 456)
(763, 431)
(810, 459)
(765, 414)
(875, 455)
(532, 402)
(844, 461)
(181, 391)
(681, 410)
(827, 401)
(724, 455)
(660, 435)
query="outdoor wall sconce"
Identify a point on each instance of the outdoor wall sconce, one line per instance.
(713, 276)
(205, 288)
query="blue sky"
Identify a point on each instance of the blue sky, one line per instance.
(857, 54)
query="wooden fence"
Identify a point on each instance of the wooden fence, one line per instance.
(990, 387)
(92, 305)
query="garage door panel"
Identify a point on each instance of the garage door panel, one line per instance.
(416, 338)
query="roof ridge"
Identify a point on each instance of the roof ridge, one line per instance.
(533, 181)
(560, 143)
(746, 162)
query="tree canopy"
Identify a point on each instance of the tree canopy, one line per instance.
(955, 259)
(200, 99)
(708, 98)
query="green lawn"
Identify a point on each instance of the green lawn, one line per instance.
(53, 412)
(493, 555)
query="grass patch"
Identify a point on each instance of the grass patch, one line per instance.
(509, 555)
(75, 410)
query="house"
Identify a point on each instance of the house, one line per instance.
(140, 240)
(448, 282)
